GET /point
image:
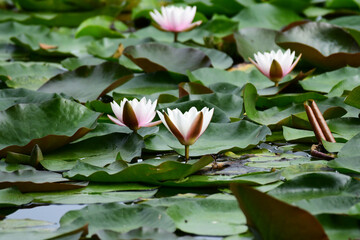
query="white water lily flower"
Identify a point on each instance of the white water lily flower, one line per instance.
(175, 19)
(134, 114)
(275, 65)
(187, 127)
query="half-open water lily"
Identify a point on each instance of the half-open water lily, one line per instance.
(187, 127)
(134, 114)
(175, 19)
(275, 65)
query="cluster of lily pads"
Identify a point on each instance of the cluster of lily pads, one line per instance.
(217, 82)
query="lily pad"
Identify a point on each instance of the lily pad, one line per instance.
(53, 44)
(88, 82)
(37, 181)
(101, 26)
(13, 197)
(210, 217)
(30, 75)
(262, 15)
(217, 138)
(155, 173)
(152, 57)
(118, 217)
(209, 76)
(251, 40)
(11, 97)
(322, 44)
(274, 219)
(54, 123)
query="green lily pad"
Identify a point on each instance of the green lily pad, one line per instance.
(322, 45)
(53, 44)
(150, 83)
(101, 26)
(251, 40)
(12, 29)
(152, 57)
(139, 233)
(353, 99)
(154, 173)
(209, 76)
(11, 97)
(328, 204)
(13, 197)
(72, 197)
(350, 149)
(350, 23)
(272, 116)
(312, 185)
(30, 75)
(73, 63)
(36, 181)
(327, 81)
(98, 151)
(258, 178)
(338, 227)
(88, 82)
(118, 217)
(54, 123)
(262, 15)
(217, 138)
(210, 217)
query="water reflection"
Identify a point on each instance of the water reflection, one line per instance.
(50, 213)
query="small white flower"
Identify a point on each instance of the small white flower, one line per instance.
(175, 19)
(187, 127)
(275, 65)
(134, 114)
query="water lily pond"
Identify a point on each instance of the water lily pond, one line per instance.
(180, 119)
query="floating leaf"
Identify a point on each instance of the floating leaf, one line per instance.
(36, 181)
(353, 99)
(118, 217)
(271, 218)
(262, 15)
(152, 57)
(89, 82)
(251, 40)
(211, 217)
(155, 173)
(54, 123)
(13, 197)
(217, 138)
(100, 27)
(65, 44)
(30, 75)
(98, 151)
(321, 44)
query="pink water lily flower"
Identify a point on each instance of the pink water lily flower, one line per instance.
(275, 65)
(187, 127)
(175, 19)
(134, 114)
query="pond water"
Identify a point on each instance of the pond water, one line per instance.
(49, 213)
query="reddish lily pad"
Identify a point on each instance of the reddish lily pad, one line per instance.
(271, 218)
(322, 44)
(49, 124)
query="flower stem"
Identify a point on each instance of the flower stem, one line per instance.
(175, 36)
(186, 153)
(276, 84)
